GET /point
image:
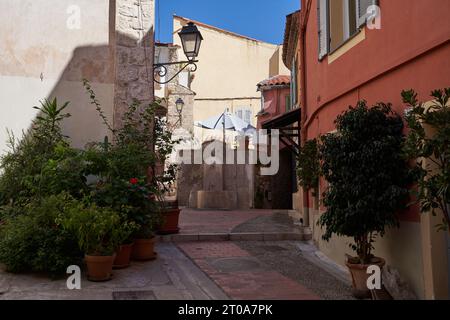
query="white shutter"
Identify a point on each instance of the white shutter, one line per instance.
(248, 116)
(361, 10)
(322, 19)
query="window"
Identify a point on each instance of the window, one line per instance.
(245, 114)
(248, 116)
(342, 19)
(339, 20)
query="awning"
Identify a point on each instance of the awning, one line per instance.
(289, 126)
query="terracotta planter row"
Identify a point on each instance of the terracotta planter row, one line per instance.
(99, 268)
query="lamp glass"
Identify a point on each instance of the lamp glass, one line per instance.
(191, 39)
(179, 104)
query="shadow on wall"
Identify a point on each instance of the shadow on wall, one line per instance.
(118, 73)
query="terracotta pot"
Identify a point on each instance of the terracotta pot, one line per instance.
(360, 276)
(99, 267)
(123, 256)
(144, 249)
(170, 225)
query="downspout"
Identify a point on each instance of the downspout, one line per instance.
(303, 90)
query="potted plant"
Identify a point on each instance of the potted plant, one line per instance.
(164, 178)
(144, 244)
(123, 253)
(368, 183)
(99, 232)
(170, 215)
(429, 139)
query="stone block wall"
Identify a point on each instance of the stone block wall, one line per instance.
(134, 54)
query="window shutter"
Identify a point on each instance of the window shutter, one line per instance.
(361, 10)
(248, 116)
(322, 19)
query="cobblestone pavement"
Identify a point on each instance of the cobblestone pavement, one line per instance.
(285, 257)
(265, 270)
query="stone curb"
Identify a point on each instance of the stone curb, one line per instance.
(249, 236)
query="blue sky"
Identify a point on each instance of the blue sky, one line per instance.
(260, 19)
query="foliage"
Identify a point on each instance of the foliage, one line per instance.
(132, 198)
(308, 166)
(367, 175)
(429, 138)
(42, 163)
(32, 240)
(99, 231)
(142, 142)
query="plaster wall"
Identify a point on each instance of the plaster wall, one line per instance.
(40, 57)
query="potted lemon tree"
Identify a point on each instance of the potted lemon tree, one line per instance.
(368, 181)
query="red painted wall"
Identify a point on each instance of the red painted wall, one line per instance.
(411, 50)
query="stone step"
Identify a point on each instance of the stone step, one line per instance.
(245, 236)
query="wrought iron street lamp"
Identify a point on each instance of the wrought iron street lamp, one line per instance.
(191, 40)
(179, 104)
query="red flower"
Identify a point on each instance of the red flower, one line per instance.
(134, 181)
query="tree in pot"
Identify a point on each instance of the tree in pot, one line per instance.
(368, 182)
(429, 139)
(99, 231)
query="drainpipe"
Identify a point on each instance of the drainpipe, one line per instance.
(303, 86)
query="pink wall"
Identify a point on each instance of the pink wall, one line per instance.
(274, 103)
(411, 50)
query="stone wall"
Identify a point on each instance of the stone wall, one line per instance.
(134, 50)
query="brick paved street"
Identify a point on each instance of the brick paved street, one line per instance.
(242, 276)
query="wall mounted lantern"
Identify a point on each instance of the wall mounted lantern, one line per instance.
(179, 105)
(191, 39)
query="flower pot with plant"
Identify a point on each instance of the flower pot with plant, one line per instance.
(368, 183)
(123, 253)
(144, 244)
(170, 215)
(99, 232)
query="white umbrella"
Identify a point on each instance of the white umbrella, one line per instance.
(226, 121)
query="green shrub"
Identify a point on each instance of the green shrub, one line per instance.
(308, 165)
(367, 174)
(99, 231)
(429, 138)
(42, 163)
(33, 240)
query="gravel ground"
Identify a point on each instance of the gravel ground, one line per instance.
(286, 258)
